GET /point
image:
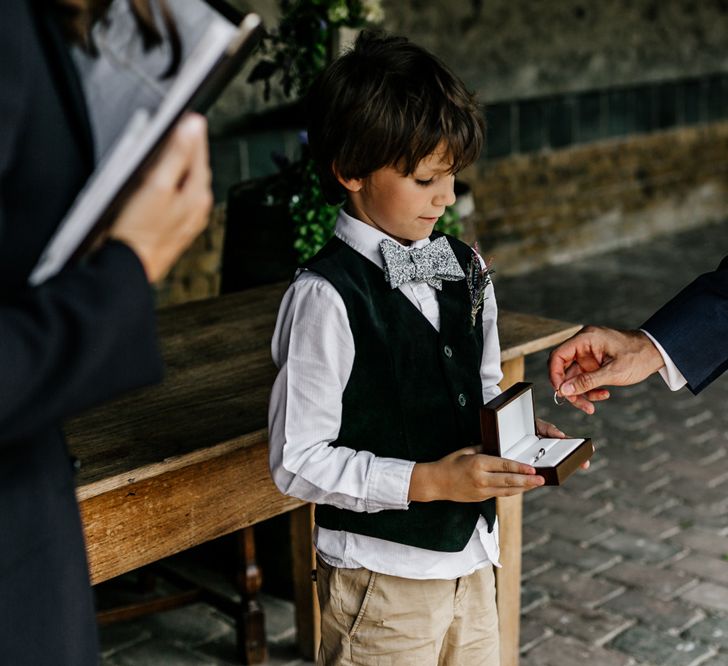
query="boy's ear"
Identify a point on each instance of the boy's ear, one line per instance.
(349, 184)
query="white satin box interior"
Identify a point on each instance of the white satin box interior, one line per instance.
(508, 428)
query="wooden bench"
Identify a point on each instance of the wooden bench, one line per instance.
(176, 465)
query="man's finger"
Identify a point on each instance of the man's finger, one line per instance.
(560, 360)
(586, 381)
(582, 403)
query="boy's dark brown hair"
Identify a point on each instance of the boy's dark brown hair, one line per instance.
(388, 102)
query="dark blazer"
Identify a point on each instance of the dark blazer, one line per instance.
(81, 338)
(693, 328)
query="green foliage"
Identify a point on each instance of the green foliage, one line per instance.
(303, 44)
(295, 54)
(313, 218)
(450, 223)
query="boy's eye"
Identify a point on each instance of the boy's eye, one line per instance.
(424, 183)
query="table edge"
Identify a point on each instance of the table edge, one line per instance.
(107, 484)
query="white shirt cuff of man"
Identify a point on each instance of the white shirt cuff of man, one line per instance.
(670, 374)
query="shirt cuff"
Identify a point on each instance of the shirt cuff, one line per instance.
(388, 484)
(670, 374)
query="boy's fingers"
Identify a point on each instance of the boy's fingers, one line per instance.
(511, 466)
(508, 491)
(549, 429)
(515, 480)
(467, 451)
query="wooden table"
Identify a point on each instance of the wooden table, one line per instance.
(177, 465)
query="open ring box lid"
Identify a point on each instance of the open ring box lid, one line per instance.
(508, 428)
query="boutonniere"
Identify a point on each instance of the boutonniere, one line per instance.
(478, 279)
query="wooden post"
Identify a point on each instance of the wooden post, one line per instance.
(513, 371)
(308, 616)
(251, 620)
(508, 578)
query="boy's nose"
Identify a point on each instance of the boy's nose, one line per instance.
(446, 197)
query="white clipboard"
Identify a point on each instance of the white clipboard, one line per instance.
(214, 60)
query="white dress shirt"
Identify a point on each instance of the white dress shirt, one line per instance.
(313, 347)
(670, 373)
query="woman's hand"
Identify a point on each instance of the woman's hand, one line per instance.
(171, 206)
(469, 476)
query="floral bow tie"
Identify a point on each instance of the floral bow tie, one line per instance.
(432, 263)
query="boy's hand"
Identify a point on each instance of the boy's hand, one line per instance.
(469, 476)
(546, 429)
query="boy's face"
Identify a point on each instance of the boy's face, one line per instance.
(404, 207)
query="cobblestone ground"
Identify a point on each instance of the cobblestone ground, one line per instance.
(628, 562)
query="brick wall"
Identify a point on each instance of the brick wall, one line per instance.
(552, 206)
(606, 124)
(517, 49)
(197, 274)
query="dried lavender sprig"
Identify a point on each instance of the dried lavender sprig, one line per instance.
(478, 279)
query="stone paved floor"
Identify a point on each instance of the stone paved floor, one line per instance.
(628, 562)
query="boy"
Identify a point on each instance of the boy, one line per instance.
(374, 413)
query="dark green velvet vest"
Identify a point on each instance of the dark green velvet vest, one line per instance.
(413, 393)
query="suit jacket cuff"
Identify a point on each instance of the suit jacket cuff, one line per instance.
(670, 374)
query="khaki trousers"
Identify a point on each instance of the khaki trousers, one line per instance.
(369, 618)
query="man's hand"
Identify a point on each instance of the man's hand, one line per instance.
(597, 357)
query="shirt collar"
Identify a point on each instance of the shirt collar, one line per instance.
(365, 239)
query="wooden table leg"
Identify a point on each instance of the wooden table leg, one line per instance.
(513, 371)
(308, 619)
(251, 620)
(508, 578)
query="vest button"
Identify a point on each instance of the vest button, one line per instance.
(447, 350)
(462, 399)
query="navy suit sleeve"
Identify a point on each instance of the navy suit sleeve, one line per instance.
(693, 328)
(80, 339)
(89, 333)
